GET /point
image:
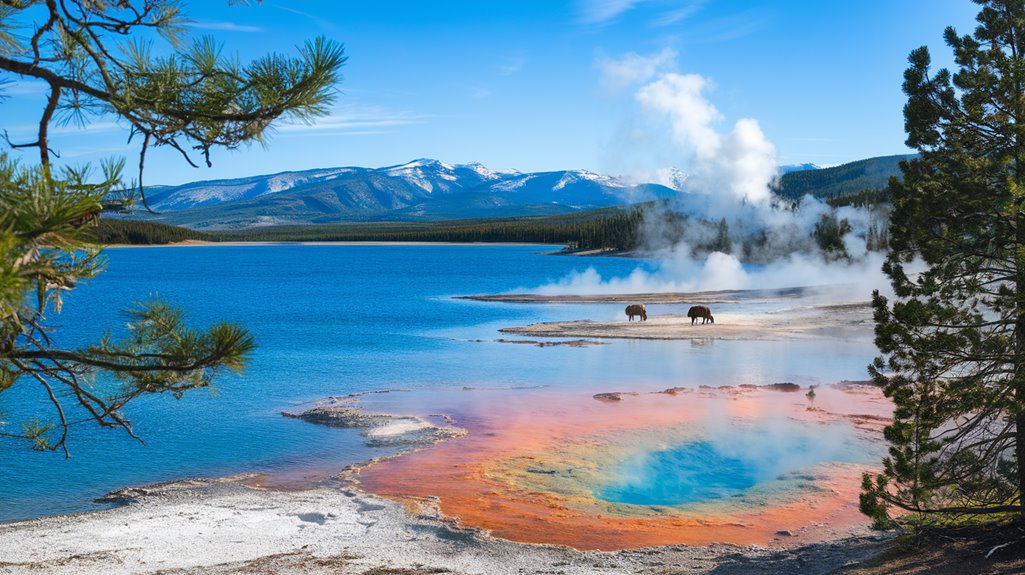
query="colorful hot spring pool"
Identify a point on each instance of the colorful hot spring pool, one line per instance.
(688, 466)
(730, 465)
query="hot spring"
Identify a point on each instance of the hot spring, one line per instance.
(730, 462)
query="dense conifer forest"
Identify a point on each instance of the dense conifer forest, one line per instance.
(135, 232)
(613, 229)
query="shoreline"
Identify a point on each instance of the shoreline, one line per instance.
(236, 524)
(221, 528)
(834, 321)
(206, 243)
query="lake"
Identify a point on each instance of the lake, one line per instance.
(338, 319)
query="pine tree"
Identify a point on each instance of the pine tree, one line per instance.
(193, 100)
(953, 339)
(723, 241)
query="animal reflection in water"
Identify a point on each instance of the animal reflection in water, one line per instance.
(638, 310)
(700, 311)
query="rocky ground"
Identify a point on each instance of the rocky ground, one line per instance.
(990, 550)
(227, 527)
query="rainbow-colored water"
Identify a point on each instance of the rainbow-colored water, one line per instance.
(692, 466)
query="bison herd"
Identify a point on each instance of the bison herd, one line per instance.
(695, 312)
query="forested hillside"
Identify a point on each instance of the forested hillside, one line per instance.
(134, 232)
(840, 181)
(610, 228)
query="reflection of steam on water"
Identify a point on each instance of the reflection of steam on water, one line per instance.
(729, 178)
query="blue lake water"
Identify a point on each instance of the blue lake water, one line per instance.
(337, 319)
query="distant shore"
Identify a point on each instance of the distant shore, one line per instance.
(205, 243)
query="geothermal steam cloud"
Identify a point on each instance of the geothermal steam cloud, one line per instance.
(729, 177)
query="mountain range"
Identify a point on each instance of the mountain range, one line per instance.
(419, 190)
(430, 190)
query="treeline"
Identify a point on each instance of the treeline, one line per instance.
(863, 199)
(614, 229)
(652, 226)
(609, 229)
(135, 232)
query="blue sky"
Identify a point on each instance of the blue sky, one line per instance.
(540, 85)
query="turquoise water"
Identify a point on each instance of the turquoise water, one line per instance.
(339, 319)
(734, 459)
(695, 471)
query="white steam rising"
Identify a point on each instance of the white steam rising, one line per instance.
(729, 180)
(740, 163)
(681, 273)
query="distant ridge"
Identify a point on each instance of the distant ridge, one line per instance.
(427, 190)
(421, 190)
(798, 168)
(843, 180)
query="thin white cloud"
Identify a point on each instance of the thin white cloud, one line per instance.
(676, 15)
(511, 65)
(90, 129)
(634, 68)
(480, 92)
(223, 26)
(97, 151)
(602, 12)
(324, 24)
(338, 133)
(730, 27)
(24, 88)
(597, 12)
(351, 119)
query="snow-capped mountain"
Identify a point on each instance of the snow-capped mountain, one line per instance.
(798, 168)
(421, 189)
(212, 192)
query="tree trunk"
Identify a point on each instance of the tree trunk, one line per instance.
(1019, 357)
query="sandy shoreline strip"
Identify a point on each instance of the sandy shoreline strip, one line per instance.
(221, 528)
(204, 243)
(836, 321)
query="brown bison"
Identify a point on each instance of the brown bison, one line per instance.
(700, 311)
(636, 309)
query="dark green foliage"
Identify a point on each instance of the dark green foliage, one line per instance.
(840, 181)
(611, 228)
(863, 199)
(136, 232)
(953, 339)
(88, 56)
(722, 243)
(829, 233)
